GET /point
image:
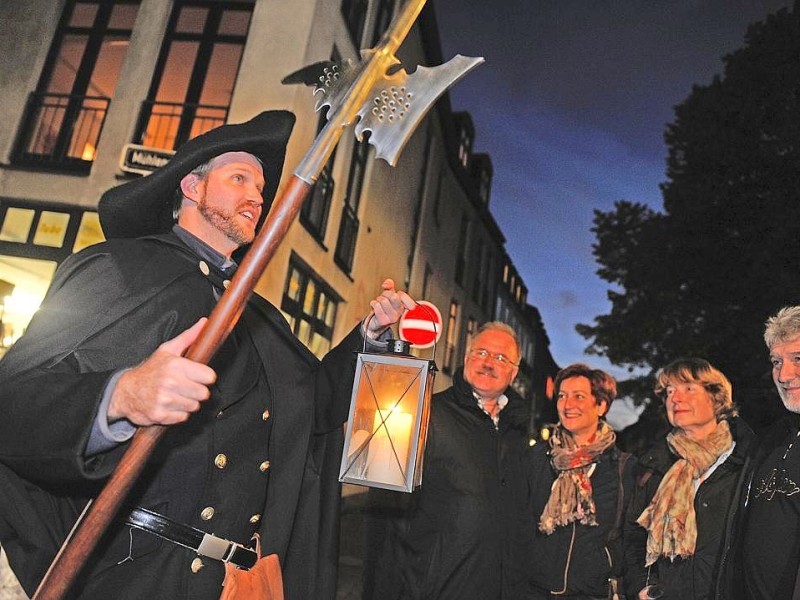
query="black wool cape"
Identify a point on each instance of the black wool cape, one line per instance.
(109, 307)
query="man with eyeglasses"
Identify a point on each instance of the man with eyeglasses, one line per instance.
(461, 534)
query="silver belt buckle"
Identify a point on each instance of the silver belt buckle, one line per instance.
(216, 547)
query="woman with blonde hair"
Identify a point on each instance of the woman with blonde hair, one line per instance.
(688, 487)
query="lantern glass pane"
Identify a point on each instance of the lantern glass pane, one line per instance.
(388, 402)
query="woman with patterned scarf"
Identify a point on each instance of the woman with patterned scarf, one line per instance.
(688, 487)
(579, 486)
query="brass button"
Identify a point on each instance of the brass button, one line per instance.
(263, 466)
(221, 461)
(207, 513)
(226, 283)
(197, 564)
(204, 268)
(265, 415)
(255, 519)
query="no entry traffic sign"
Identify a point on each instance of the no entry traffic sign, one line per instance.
(422, 325)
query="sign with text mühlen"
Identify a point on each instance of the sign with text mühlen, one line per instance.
(143, 159)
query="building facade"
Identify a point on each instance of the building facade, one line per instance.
(99, 91)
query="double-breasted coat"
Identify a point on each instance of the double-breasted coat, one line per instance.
(261, 455)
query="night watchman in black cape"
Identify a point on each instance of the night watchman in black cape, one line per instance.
(103, 355)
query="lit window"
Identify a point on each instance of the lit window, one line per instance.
(64, 116)
(309, 306)
(89, 232)
(17, 225)
(51, 229)
(196, 72)
(472, 327)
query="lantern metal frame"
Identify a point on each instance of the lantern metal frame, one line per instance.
(374, 423)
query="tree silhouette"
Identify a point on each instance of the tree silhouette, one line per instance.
(701, 278)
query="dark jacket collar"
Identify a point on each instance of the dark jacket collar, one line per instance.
(515, 413)
(203, 250)
(777, 434)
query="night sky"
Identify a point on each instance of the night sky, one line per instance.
(571, 104)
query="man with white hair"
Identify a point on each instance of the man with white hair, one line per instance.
(770, 543)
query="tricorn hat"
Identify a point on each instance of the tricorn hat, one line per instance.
(144, 206)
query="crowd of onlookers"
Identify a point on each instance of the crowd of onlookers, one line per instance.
(709, 511)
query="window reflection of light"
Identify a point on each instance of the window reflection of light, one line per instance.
(88, 152)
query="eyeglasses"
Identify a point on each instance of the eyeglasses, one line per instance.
(500, 359)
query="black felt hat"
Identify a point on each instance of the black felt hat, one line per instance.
(144, 206)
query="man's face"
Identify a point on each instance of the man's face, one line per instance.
(488, 377)
(785, 358)
(229, 201)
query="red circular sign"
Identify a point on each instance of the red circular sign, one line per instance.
(422, 325)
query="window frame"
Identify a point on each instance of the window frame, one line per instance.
(78, 114)
(451, 339)
(347, 238)
(28, 249)
(294, 309)
(193, 117)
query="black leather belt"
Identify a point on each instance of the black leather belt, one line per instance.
(205, 544)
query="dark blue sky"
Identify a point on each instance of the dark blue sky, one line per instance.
(571, 104)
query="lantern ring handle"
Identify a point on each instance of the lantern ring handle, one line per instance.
(366, 325)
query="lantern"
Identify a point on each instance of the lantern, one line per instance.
(388, 423)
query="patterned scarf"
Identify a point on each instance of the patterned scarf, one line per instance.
(670, 519)
(571, 495)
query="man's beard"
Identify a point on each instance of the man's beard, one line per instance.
(791, 404)
(224, 222)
